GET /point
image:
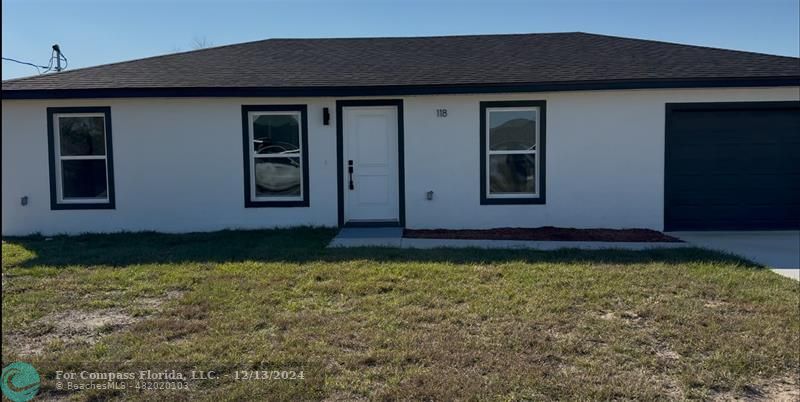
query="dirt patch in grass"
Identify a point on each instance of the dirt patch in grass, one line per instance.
(69, 327)
(624, 317)
(778, 390)
(716, 304)
(547, 233)
(338, 396)
(81, 327)
(157, 302)
(785, 390)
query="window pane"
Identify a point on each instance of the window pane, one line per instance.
(512, 130)
(512, 173)
(84, 178)
(276, 134)
(277, 177)
(82, 136)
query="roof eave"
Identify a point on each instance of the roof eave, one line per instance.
(395, 90)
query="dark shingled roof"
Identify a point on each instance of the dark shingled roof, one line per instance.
(493, 60)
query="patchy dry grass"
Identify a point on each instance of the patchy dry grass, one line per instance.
(399, 324)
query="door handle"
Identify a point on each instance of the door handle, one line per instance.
(350, 171)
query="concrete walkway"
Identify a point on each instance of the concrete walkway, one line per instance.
(778, 250)
(393, 237)
(535, 245)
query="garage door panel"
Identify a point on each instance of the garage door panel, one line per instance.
(718, 213)
(733, 166)
(697, 189)
(761, 158)
(693, 198)
(765, 197)
(726, 224)
(790, 158)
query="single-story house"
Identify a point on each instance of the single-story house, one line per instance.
(564, 129)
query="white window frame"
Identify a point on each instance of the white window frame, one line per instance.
(534, 152)
(57, 152)
(251, 118)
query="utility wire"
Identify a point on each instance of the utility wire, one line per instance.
(37, 67)
(66, 62)
(55, 55)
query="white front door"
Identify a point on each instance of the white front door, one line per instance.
(370, 164)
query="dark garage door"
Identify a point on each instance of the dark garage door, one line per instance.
(732, 166)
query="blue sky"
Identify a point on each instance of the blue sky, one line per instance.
(93, 32)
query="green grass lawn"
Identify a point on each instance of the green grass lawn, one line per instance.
(398, 324)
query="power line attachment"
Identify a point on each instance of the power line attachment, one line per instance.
(55, 57)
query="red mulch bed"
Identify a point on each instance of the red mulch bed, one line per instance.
(547, 233)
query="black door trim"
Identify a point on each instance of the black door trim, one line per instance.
(398, 103)
(671, 108)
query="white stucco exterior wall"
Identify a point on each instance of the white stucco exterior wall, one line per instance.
(177, 168)
(178, 163)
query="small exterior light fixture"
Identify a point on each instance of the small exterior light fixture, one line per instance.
(429, 195)
(24, 200)
(326, 116)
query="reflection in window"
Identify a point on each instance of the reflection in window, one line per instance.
(276, 134)
(277, 170)
(512, 173)
(278, 177)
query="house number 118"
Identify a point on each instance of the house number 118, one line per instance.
(441, 112)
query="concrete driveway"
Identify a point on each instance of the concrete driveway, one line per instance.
(778, 250)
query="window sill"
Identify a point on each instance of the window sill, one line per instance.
(78, 206)
(276, 204)
(513, 201)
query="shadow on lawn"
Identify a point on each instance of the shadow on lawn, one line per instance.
(300, 245)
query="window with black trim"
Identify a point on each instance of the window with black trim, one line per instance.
(275, 144)
(81, 162)
(512, 136)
